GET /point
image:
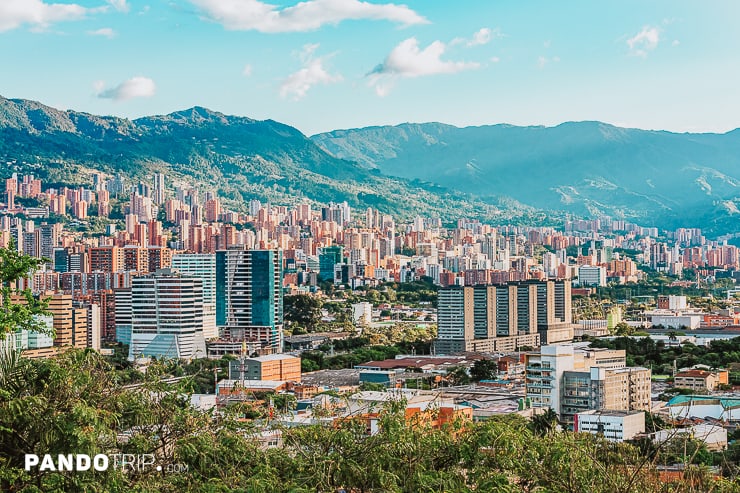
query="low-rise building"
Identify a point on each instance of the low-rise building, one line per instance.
(423, 409)
(282, 367)
(696, 379)
(572, 380)
(616, 426)
(714, 437)
(704, 406)
(245, 389)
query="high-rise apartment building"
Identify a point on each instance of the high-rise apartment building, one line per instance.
(167, 316)
(11, 190)
(503, 317)
(249, 296)
(122, 310)
(106, 259)
(203, 267)
(159, 188)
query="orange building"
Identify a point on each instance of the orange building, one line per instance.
(701, 379)
(273, 367)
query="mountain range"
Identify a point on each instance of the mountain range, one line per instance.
(237, 157)
(587, 168)
(497, 173)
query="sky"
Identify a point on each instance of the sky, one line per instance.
(321, 65)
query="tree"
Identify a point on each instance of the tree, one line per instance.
(544, 423)
(302, 310)
(623, 329)
(373, 386)
(484, 369)
(672, 335)
(458, 375)
(19, 306)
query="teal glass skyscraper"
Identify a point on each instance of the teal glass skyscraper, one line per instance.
(249, 296)
(328, 258)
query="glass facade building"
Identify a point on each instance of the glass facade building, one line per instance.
(249, 296)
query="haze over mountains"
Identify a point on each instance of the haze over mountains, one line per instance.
(586, 168)
(497, 173)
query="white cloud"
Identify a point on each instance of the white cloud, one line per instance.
(644, 41)
(407, 60)
(40, 15)
(247, 70)
(495, 59)
(136, 87)
(482, 36)
(675, 42)
(297, 84)
(245, 15)
(106, 32)
(306, 52)
(119, 5)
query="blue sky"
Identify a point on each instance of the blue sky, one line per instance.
(328, 64)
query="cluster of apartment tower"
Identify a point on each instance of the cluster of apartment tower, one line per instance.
(181, 276)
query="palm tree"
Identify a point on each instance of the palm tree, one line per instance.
(13, 367)
(545, 423)
(672, 335)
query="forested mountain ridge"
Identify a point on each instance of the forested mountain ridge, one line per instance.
(238, 157)
(586, 168)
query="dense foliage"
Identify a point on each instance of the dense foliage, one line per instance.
(72, 404)
(18, 307)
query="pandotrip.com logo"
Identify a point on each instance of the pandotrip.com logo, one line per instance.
(101, 462)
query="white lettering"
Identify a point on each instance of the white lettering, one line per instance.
(145, 460)
(65, 462)
(83, 462)
(31, 460)
(47, 464)
(100, 462)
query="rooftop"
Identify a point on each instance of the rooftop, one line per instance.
(251, 384)
(695, 373)
(332, 378)
(730, 402)
(611, 412)
(273, 357)
(415, 362)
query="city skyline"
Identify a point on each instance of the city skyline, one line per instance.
(329, 64)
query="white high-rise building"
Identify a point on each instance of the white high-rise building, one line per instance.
(571, 380)
(167, 316)
(589, 275)
(201, 266)
(550, 263)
